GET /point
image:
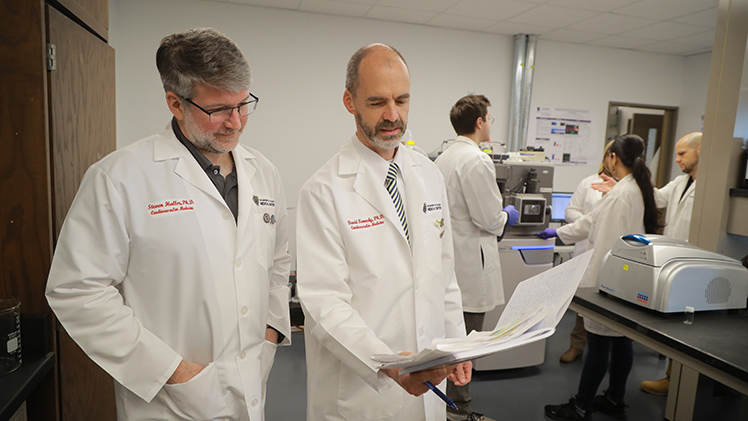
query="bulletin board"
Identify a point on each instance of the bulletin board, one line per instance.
(564, 134)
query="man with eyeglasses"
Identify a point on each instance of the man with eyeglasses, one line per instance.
(171, 268)
(478, 218)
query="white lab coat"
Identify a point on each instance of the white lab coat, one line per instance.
(619, 212)
(582, 202)
(364, 291)
(584, 199)
(151, 268)
(678, 215)
(475, 207)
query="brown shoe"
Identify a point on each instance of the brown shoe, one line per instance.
(571, 355)
(656, 387)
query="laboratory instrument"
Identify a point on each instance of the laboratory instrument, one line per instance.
(527, 186)
(666, 275)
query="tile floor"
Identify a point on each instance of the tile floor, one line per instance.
(516, 394)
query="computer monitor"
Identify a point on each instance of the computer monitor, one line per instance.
(559, 202)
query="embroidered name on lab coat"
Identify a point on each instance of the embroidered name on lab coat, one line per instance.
(432, 207)
(263, 202)
(170, 206)
(360, 223)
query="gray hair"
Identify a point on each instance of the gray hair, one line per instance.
(351, 75)
(201, 56)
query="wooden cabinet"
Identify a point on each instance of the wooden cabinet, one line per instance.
(53, 125)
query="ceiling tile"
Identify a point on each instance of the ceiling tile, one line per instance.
(446, 20)
(666, 9)
(426, 5)
(705, 18)
(668, 47)
(556, 17)
(511, 28)
(701, 50)
(611, 23)
(617, 41)
(280, 4)
(495, 9)
(568, 35)
(684, 26)
(664, 31)
(399, 15)
(335, 7)
(597, 5)
(705, 39)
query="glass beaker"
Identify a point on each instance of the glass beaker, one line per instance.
(10, 335)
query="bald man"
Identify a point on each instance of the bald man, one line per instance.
(375, 260)
(678, 194)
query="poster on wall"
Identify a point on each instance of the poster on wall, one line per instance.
(564, 134)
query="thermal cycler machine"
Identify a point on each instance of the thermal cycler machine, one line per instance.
(665, 274)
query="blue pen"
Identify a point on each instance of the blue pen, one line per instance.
(439, 393)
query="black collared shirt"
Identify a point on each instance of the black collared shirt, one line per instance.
(688, 184)
(227, 187)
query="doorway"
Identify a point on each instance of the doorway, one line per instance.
(655, 124)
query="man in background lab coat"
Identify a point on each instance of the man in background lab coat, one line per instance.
(171, 268)
(475, 206)
(375, 268)
(677, 196)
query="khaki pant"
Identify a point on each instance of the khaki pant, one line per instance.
(578, 334)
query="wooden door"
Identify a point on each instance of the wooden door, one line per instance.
(81, 131)
(649, 128)
(25, 229)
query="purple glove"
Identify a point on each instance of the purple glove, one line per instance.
(547, 233)
(512, 215)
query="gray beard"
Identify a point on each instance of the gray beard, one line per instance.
(200, 138)
(386, 142)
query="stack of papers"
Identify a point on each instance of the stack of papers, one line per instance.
(532, 314)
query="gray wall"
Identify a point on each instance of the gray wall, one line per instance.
(298, 61)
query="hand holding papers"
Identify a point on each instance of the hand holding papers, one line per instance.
(532, 313)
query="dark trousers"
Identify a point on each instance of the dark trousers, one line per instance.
(461, 394)
(603, 352)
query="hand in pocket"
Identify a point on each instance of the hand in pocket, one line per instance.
(200, 398)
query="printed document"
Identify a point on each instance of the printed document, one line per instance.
(532, 314)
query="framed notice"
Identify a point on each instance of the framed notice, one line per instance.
(564, 134)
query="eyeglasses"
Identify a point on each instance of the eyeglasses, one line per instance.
(219, 116)
(487, 118)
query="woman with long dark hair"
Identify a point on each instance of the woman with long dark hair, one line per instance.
(582, 202)
(629, 208)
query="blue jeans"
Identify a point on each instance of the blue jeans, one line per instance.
(602, 352)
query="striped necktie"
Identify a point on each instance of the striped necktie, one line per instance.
(391, 184)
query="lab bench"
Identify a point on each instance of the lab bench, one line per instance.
(37, 363)
(715, 345)
(17, 386)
